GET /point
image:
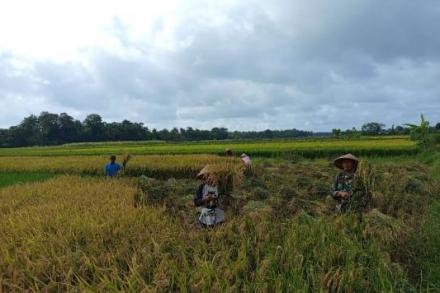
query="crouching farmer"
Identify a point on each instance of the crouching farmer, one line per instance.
(344, 188)
(207, 197)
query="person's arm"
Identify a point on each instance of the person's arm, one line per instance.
(198, 198)
(335, 191)
(198, 202)
(202, 201)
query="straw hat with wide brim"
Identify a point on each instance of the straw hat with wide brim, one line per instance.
(204, 172)
(338, 161)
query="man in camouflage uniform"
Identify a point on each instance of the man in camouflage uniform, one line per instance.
(346, 189)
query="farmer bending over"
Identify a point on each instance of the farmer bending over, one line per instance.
(112, 169)
(207, 197)
(344, 185)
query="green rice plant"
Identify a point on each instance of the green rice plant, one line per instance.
(151, 190)
(10, 178)
(293, 148)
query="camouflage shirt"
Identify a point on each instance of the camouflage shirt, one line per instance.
(343, 182)
(357, 200)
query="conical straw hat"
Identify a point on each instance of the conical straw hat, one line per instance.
(203, 172)
(338, 161)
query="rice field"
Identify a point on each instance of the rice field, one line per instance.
(64, 227)
(310, 148)
(167, 166)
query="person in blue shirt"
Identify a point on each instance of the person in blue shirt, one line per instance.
(112, 169)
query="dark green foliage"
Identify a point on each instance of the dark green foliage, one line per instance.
(293, 157)
(414, 185)
(151, 190)
(304, 182)
(421, 133)
(431, 255)
(373, 128)
(288, 192)
(321, 188)
(260, 193)
(436, 138)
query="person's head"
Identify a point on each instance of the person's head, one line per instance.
(203, 174)
(112, 158)
(203, 178)
(347, 163)
(229, 153)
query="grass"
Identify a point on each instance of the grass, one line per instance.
(309, 148)
(427, 241)
(431, 251)
(10, 178)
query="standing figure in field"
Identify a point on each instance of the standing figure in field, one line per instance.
(247, 163)
(112, 168)
(229, 153)
(207, 196)
(344, 188)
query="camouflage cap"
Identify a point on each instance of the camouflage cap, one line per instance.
(338, 161)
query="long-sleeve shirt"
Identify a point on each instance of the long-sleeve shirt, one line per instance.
(344, 181)
(203, 191)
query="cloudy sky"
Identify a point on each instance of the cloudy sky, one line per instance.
(243, 64)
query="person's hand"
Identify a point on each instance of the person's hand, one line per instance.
(208, 198)
(343, 194)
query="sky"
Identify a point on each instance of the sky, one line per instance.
(244, 64)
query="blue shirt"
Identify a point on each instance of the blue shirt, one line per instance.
(112, 169)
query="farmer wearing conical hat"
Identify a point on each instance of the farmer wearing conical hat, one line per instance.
(344, 185)
(206, 197)
(229, 153)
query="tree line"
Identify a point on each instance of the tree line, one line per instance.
(54, 129)
(377, 129)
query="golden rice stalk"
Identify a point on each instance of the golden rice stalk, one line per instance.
(367, 173)
(126, 159)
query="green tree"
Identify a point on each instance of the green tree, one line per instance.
(94, 127)
(69, 129)
(219, 133)
(420, 133)
(26, 133)
(30, 129)
(372, 128)
(49, 127)
(336, 132)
